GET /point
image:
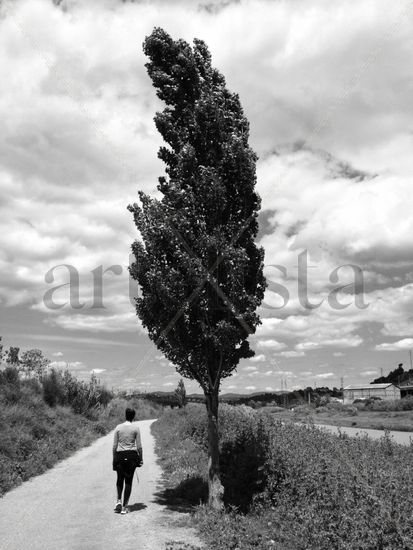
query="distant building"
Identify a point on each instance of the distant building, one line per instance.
(385, 391)
(406, 390)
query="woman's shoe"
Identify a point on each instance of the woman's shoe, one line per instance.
(125, 510)
(118, 506)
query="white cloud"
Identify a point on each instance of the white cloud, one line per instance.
(71, 365)
(58, 364)
(292, 353)
(249, 369)
(250, 388)
(369, 373)
(405, 344)
(258, 358)
(349, 342)
(97, 371)
(123, 322)
(308, 346)
(57, 354)
(78, 339)
(76, 365)
(325, 375)
(272, 344)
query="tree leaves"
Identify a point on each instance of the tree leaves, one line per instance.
(199, 270)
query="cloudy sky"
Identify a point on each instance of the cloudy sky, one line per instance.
(327, 86)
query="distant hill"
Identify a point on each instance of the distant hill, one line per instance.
(251, 395)
(283, 398)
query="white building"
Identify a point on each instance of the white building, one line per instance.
(385, 391)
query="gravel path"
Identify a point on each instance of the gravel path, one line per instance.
(70, 507)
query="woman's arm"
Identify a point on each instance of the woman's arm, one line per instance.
(138, 439)
(139, 444)
(115, 441)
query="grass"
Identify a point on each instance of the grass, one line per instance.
(184, 465)
(359, 416)
(288, 486)
(34, 435)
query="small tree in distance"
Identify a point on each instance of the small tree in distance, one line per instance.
(34, 363)
(199, 270)
(180, 394)
(12, 357)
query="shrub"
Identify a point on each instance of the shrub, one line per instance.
(340, 408)
(10, 376)
(84, 398)
(405, 404)
(242, 460)
(322, 400)
(303, 409)
(53, 389)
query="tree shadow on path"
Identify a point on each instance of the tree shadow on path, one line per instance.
(184, 496)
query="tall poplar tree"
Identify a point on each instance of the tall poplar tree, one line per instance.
(199, 270)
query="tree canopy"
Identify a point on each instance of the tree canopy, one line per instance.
(199, 270)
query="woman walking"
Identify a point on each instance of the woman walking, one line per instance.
(127, 455)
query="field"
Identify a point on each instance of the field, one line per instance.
(390, 417)
(289, 487)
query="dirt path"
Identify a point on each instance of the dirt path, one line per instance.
(70, 507)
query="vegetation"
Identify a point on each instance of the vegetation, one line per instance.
(33, 363)
(180, 394)
(198, 267)
(12, 357)
(396, 376)
(283, 398)
(62, 388)
(288, 486)
(45, 420)
(405, 404)
(375, 414)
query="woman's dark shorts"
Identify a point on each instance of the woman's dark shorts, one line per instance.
(126, 461)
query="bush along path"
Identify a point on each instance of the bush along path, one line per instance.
(71, 507)
(290, 487)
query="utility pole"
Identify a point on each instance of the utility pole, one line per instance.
(410, 356)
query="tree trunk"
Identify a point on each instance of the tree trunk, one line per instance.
(215, 489)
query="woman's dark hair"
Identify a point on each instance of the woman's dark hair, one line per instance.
(130, 414)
